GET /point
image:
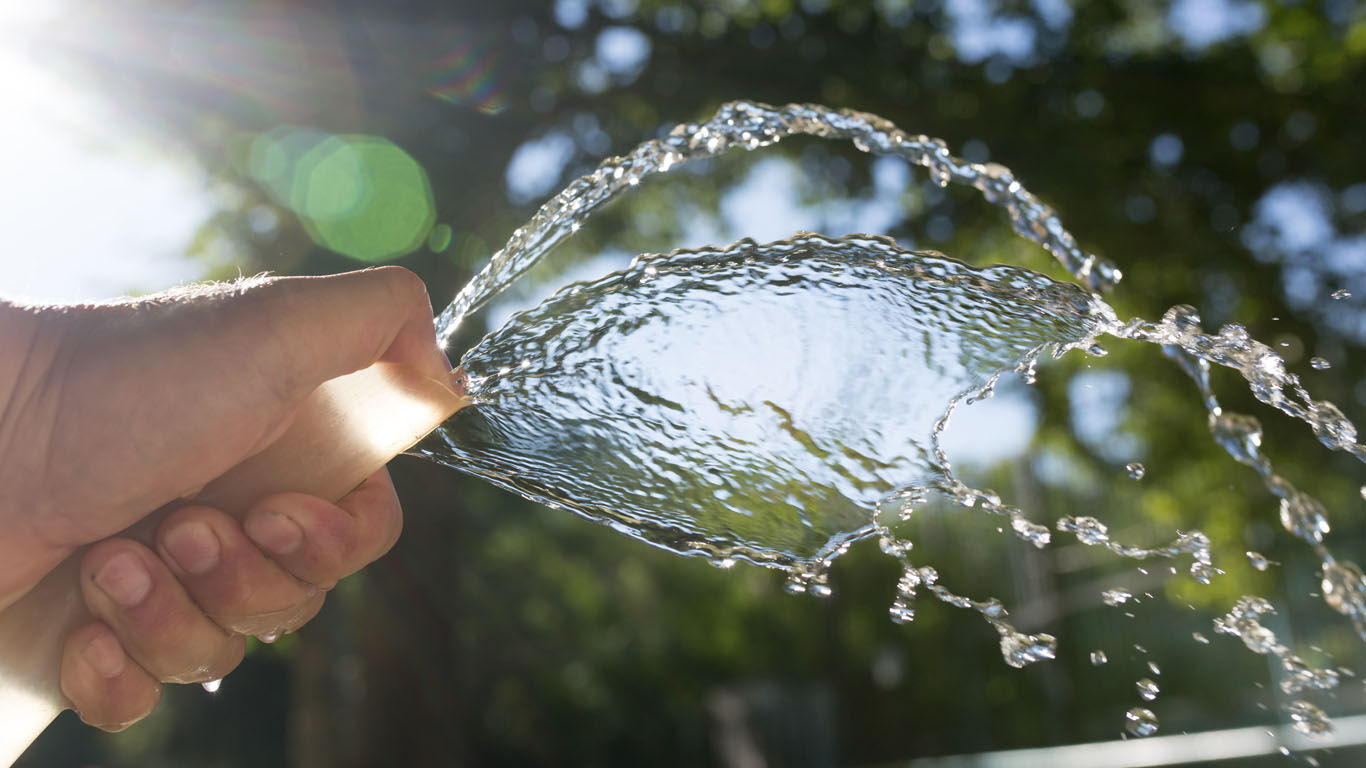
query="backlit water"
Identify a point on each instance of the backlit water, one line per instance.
(775, 403)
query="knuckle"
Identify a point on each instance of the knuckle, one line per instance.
(208, 664)
(185, 514)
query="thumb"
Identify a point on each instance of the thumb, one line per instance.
(161, 395)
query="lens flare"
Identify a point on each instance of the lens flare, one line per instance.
(468, 72)
(361, 196)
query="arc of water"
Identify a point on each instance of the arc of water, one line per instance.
(750, 125)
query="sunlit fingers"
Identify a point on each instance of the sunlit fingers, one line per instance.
(156, 622)
(320, 542)
(237, 586)
(108, 689)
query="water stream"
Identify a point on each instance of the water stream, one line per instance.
(775, 403)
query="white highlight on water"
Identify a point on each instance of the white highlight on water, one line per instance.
(1140, 721)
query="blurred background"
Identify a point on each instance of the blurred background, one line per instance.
(1214, 149)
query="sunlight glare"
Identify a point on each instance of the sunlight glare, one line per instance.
(87, 211)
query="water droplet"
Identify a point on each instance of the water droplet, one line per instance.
(1340, 294)
(1098, 657)
(269, 637)
(1200, 638)
(1140, 722)
(1147, 689)
(1240, 435)
(1319, 364)
(1152, 667)
(1089, 531)
(1304, 516)
(1308, 719)
(1300, 676)
(1344, 589)
(212, 685)
(1203, 572)
(1031, 532)
(1019, 649)
(1258, 560)
(901, 612)
(1135, 470)
(1117, 596)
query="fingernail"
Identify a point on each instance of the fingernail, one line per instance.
(125, 579)
(193, 546)
(275, 533)
(105, 655)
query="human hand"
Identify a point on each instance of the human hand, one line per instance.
(108, 413)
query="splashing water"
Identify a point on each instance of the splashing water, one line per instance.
(769, 402)
(704, 400)
(1113, 597)
(749, 126)
(1297, 676)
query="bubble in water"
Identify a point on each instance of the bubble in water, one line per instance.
(1309, 719)
(212, 685)
(1117, 596)
(1140, 722)
(1098, 657)
(1340, 294)
(1135, 470)
(1319, 364)
(1147, 689)
(1258, 560)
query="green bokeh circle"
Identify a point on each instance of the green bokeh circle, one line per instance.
(363, 197)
